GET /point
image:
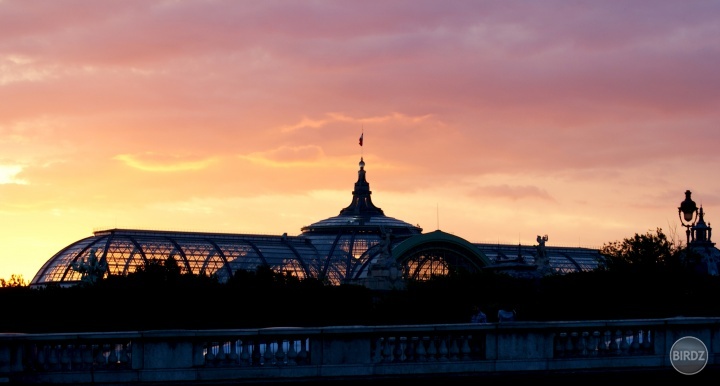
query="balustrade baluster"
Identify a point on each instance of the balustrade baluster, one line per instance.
(443, 349)
(647, 343)
(624, 345)
(245, 347)
(432, 349)
(615, 343)
(221, 357)
(232, 356)
(100, 358)
(453, 350)
(595, 343)
(560, 344)
(54, 358)
(612, 346)
(303, 356)
(398, 350)
(420, 353)
(280, 353)
(269, 356)
(113, 357)
(209, 354)
(387, 350)
(74, 352)
(607, 342)
(292, 352)
(583, 343)
(125, 353)
(87, 356)
(64, 357)
(42, 357)
(571, 344)
(377, 352)
(410, 349)
(30, 356)
(465, 349)
(635, 346)
(256, 357)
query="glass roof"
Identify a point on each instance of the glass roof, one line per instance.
(361, 215)
(372, 224)
(335, 249)
(199, 253)
(562, 259)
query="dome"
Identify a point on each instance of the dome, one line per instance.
(351, 239)
(361, 216)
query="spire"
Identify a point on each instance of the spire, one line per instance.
(701, 231)
(361, 204)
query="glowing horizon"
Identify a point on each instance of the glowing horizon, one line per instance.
(496, 122)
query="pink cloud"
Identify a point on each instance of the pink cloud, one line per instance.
(595, 104)
(513, 193)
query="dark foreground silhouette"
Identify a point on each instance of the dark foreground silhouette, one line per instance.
(162, 298)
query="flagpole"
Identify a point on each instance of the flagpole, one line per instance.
(362, 134)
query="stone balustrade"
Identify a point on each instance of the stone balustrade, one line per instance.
(346, 351)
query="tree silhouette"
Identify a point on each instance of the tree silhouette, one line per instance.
(14, 281)
(648, 252)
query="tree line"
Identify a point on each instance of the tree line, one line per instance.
(644, 276)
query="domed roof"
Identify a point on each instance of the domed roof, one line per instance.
(361, 215)
(219, 254)
(336, 249)
(332, 248)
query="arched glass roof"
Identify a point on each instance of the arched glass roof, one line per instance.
(562, 259)
(435, 253)
(199, 253)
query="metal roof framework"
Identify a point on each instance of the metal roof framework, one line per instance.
(337, 249)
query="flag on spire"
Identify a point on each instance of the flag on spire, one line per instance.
(361, 138)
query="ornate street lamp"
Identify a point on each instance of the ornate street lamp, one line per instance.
(688, 214)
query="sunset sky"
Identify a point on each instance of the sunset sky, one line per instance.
(496, 121)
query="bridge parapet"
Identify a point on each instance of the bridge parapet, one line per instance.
(289, 353)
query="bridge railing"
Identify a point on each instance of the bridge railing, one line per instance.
(287, 352)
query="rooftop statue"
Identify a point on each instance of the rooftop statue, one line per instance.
(541, 260)
(91, 269)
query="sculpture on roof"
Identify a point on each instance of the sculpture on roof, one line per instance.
(541, 259)
(384, 273)
(91, 269)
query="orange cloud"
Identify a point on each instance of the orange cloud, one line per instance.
(512, 192)
(288, 156)
(154, 162)
(344, 118)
